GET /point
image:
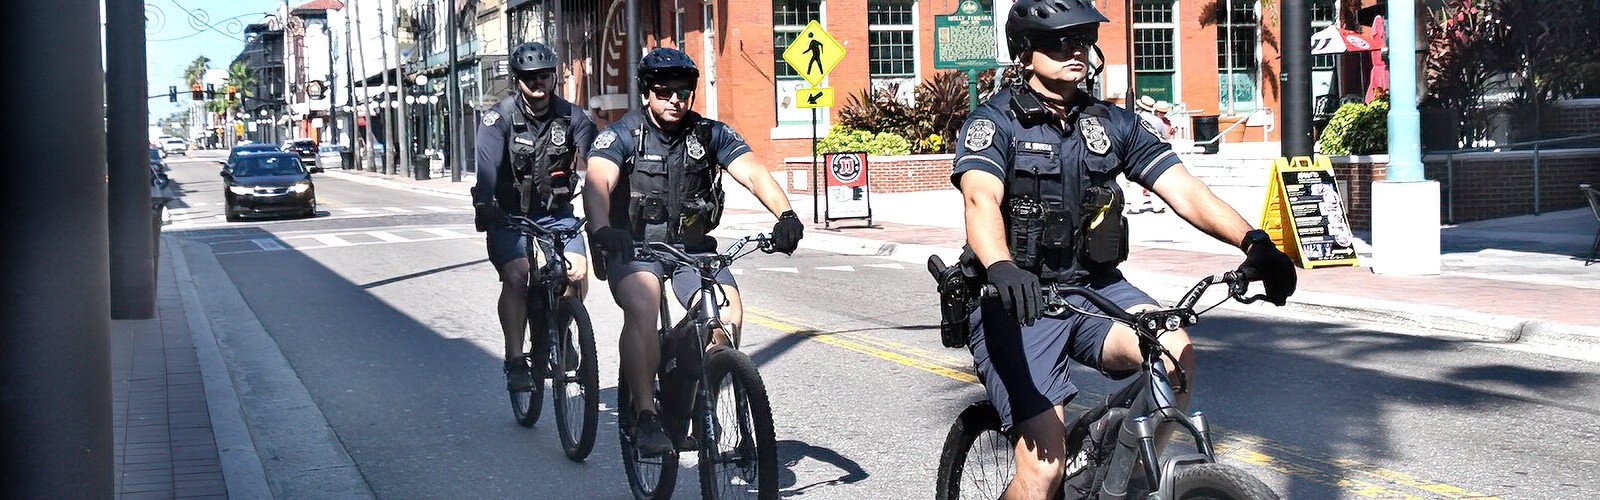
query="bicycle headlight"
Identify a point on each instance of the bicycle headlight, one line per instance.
(240, 190)
(300, 187)
(1173, 322)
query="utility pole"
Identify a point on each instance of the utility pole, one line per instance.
(55, 358)
(1296, 71)
(453, 152)
(133, 265)
(350, 86)
(332, 126)
(1405, 205)
(402, 115)
(633, 55)
(389, 108)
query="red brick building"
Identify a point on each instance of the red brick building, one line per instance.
(1182, 48)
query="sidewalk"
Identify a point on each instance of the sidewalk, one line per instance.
(1518, 280)
(439, 185)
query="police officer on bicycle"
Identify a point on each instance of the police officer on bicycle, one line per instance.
(1037, 165)
(655, 176)
(528, 146)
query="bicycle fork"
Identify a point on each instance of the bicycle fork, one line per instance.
(1137, 437)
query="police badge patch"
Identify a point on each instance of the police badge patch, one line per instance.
(605, 139)
(490, 117)
(1094, 135)
(696, 150)
(558, 136)
(980, 134)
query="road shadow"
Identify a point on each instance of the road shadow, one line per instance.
(791, 452)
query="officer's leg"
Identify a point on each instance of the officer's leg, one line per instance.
(639, 295)
(513, 304)
(1121, 353)
(732, 315)
(1040, 456)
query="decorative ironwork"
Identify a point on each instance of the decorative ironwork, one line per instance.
(197, 20)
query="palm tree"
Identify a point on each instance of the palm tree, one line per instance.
(196, 71)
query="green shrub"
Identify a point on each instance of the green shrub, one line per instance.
(939, 106)
(844, 139)
(1358, 129)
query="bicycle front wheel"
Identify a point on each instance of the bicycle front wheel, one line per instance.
(574, 381)
(977, 459)
(740, 460)
(1217, 482)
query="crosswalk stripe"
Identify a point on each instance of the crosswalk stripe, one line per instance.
(330, 240)
(387, 237)
(442, 233)
(355, 210)
(437, 209)
(848, 269)
(737, 272)
(894, 265)
(791, 270)
(267, 244)
(397, 210)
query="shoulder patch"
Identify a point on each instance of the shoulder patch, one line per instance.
(727, 129)
(605, 139)
(490, 117)
(980, 134)
(1151, 128)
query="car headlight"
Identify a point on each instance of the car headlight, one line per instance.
(240, 190)
(300, 187)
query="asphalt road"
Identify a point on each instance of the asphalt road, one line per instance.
(384, 306)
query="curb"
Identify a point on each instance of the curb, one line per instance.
(373, 180)
(1573, 341)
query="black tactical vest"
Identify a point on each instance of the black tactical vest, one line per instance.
(1062, 207)
(541, 163)
(675, 201)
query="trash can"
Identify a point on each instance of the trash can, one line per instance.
(420, 166)
(1205, 129)
(347, 158)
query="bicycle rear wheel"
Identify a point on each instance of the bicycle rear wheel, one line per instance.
(650, 478)
(742, 460)
(574, 381)
(977, 460)
(526, 405)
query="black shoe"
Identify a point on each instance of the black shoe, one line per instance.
(649, 439)
(519, 376)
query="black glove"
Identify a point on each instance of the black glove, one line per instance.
(612, 241)
(1265, 262)
(787, 232)
(486, 215)
(1018, 289)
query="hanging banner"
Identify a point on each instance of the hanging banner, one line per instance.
(1305, 215)
(847, 188)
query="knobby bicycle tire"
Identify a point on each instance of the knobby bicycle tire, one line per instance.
(994, 464)
(743, 463)
(1217, 482)
(577, 437)
(527, 406)
(664, 468)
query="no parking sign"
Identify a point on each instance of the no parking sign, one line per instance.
(846, 184)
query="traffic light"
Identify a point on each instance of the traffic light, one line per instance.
(211, 91)
(233, 93)
(197, 92)
(172, 93)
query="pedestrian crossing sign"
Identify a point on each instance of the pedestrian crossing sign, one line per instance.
(813, 53)
(814, 97)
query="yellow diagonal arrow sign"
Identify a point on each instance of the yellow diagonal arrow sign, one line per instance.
(814, 97)
(813, 53)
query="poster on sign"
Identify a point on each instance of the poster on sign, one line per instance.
(846, 187)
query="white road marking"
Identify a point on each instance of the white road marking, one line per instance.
(268, 244)
(330, 240)
(790, 270)
(848, 269)
(737, 272)
(355, 210)
(443, 233)
(437, 209)
(892, 265)
(387, 237)
(397, 210)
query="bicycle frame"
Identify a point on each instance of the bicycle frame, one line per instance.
(551, 278)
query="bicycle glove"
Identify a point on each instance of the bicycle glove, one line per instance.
(486, 215)
(1018, 290)
(787, 232)
(1265, 262)
(612, 241)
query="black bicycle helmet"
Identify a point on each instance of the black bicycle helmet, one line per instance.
(1034, 21)
(532, 56)
(665, 63)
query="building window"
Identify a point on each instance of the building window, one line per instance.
(1237, 40)
(789, 17)
(1324, 77)
(892, 46)
(1154, 53)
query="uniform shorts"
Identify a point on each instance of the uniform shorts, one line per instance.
(1025, 370)
(507, 244)
(685, 281)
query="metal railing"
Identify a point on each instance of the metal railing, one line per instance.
(1537, 145)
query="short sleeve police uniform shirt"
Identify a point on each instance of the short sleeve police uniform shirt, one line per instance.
(619, 142)
(493, 157)
(988, 141)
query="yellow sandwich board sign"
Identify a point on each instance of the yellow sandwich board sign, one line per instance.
(813, 53)
(1305, 215)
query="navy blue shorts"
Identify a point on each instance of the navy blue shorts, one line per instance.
(507, 244)
(685, 282)
(1026, 370)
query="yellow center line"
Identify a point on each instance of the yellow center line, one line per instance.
(1234, 445)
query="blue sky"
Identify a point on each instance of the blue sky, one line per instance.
(172, 40)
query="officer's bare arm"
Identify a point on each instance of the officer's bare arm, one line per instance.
(754, 176)
(1194, 201)
(986, 231)
(602, 177)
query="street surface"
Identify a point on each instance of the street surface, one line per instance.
(384, 305)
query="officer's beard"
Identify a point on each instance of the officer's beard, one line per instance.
(534, 106)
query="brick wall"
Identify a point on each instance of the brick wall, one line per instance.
(1570, 118)
(1485, 186)
(886, 174)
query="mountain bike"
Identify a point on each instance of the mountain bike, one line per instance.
(1115, 441)
(561, 346)
(722, 412)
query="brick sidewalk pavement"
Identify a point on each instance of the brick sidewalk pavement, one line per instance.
(164, 447)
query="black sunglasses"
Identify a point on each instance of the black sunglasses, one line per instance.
(536, 76)
(1066, 43)
(664, 93)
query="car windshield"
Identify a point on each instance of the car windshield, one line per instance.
(267, 165)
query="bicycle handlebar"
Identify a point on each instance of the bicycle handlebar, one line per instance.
(723, 259)
(1178, 316)
(531, 228)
